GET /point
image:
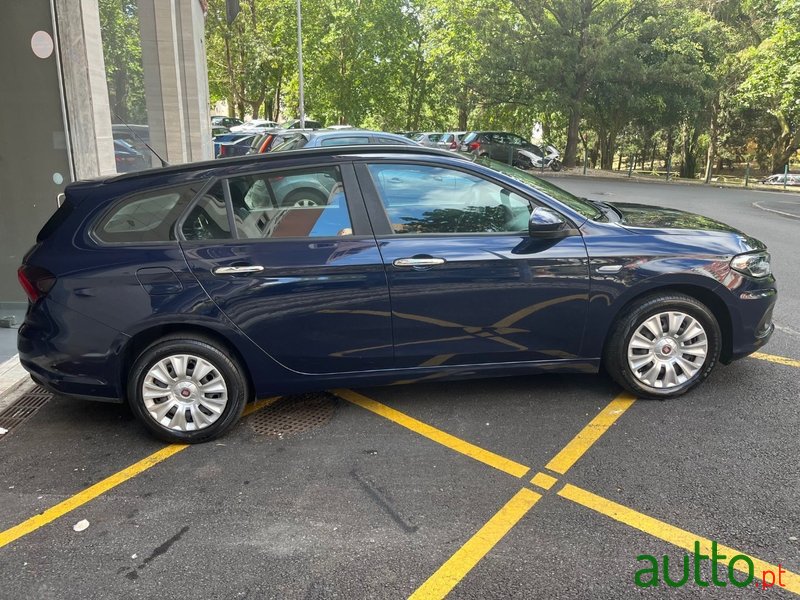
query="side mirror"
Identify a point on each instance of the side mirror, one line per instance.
(546, 223)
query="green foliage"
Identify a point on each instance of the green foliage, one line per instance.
(645, 78)
(119, 23)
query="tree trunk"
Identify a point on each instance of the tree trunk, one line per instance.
(712, 142)
(231, 106)
(571, 151)
(785, 146)
(256, 108)
(463, 114)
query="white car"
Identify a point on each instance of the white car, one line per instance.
(255, 125)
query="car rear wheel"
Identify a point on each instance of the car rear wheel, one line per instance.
(663, 346)
(186, 389)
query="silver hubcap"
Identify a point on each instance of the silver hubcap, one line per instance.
(305, 202)
(667, 350)
(183, 392)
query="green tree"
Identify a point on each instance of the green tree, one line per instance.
(122, 52)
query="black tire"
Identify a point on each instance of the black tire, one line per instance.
(523, 163)
(222, 361)
(305, 197)
(556, 165)
(615, 356)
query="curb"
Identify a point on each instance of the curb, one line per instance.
(14, 382)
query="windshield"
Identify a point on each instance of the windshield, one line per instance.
(584, 207)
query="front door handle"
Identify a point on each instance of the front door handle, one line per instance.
(418, 262)
(240, 270)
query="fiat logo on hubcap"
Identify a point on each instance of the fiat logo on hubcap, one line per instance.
(185, 392)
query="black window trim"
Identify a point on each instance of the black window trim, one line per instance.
(178, 231)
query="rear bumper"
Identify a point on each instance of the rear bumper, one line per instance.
(59, 348)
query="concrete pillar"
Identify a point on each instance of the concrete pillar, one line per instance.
(192, 53)
(175, 79)
(85, 90)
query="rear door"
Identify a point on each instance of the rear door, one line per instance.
(298, 269)
(468, 285)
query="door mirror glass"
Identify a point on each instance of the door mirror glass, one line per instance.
(545, 222)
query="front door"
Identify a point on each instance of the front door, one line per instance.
(468, 286)
(299, 271)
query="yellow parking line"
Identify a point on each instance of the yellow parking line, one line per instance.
(669, 533)
(437, 435)
(578, 446)
(544, 481)
(457, 566)
(90, 493)
(781, 360)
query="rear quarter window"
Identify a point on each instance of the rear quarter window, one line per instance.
(145, 217)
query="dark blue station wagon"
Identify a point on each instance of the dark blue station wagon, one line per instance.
(187, 291)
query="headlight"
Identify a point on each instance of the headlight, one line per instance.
(754, 265)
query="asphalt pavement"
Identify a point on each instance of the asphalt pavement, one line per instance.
(529, 487)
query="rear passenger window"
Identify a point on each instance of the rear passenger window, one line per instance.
(208, 219)
(296, 203)
(146, 217)
(345, 141)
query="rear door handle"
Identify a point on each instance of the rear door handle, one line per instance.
(240, 270)
(418, 262)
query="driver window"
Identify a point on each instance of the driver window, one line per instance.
(422, 199)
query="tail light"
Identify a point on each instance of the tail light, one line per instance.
(223, 150)
(36, 282)
(453, 145)
(474, 146)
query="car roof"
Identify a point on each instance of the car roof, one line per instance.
(253, 159)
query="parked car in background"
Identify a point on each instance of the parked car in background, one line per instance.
(255, 126)
(508, 148)
(779, 178)
(190, 290)
(217, 130)
(236, 148)
(135, 135)
(429, 139)
(450, 140)
(227, 138)
(273, 138)
(350, 137)
(223, 121)
(295, 124)
(128, 158)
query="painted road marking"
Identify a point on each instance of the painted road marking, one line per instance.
(437, 435)
(101, 487)
(668, 533)
(462, 562)
(544, 481)
(781, 360)
(90, 493)
(586, 438)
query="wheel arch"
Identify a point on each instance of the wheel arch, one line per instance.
(700, 293)
(144, 338)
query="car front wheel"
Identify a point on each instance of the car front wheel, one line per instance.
(186, 389)
(663, 346)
